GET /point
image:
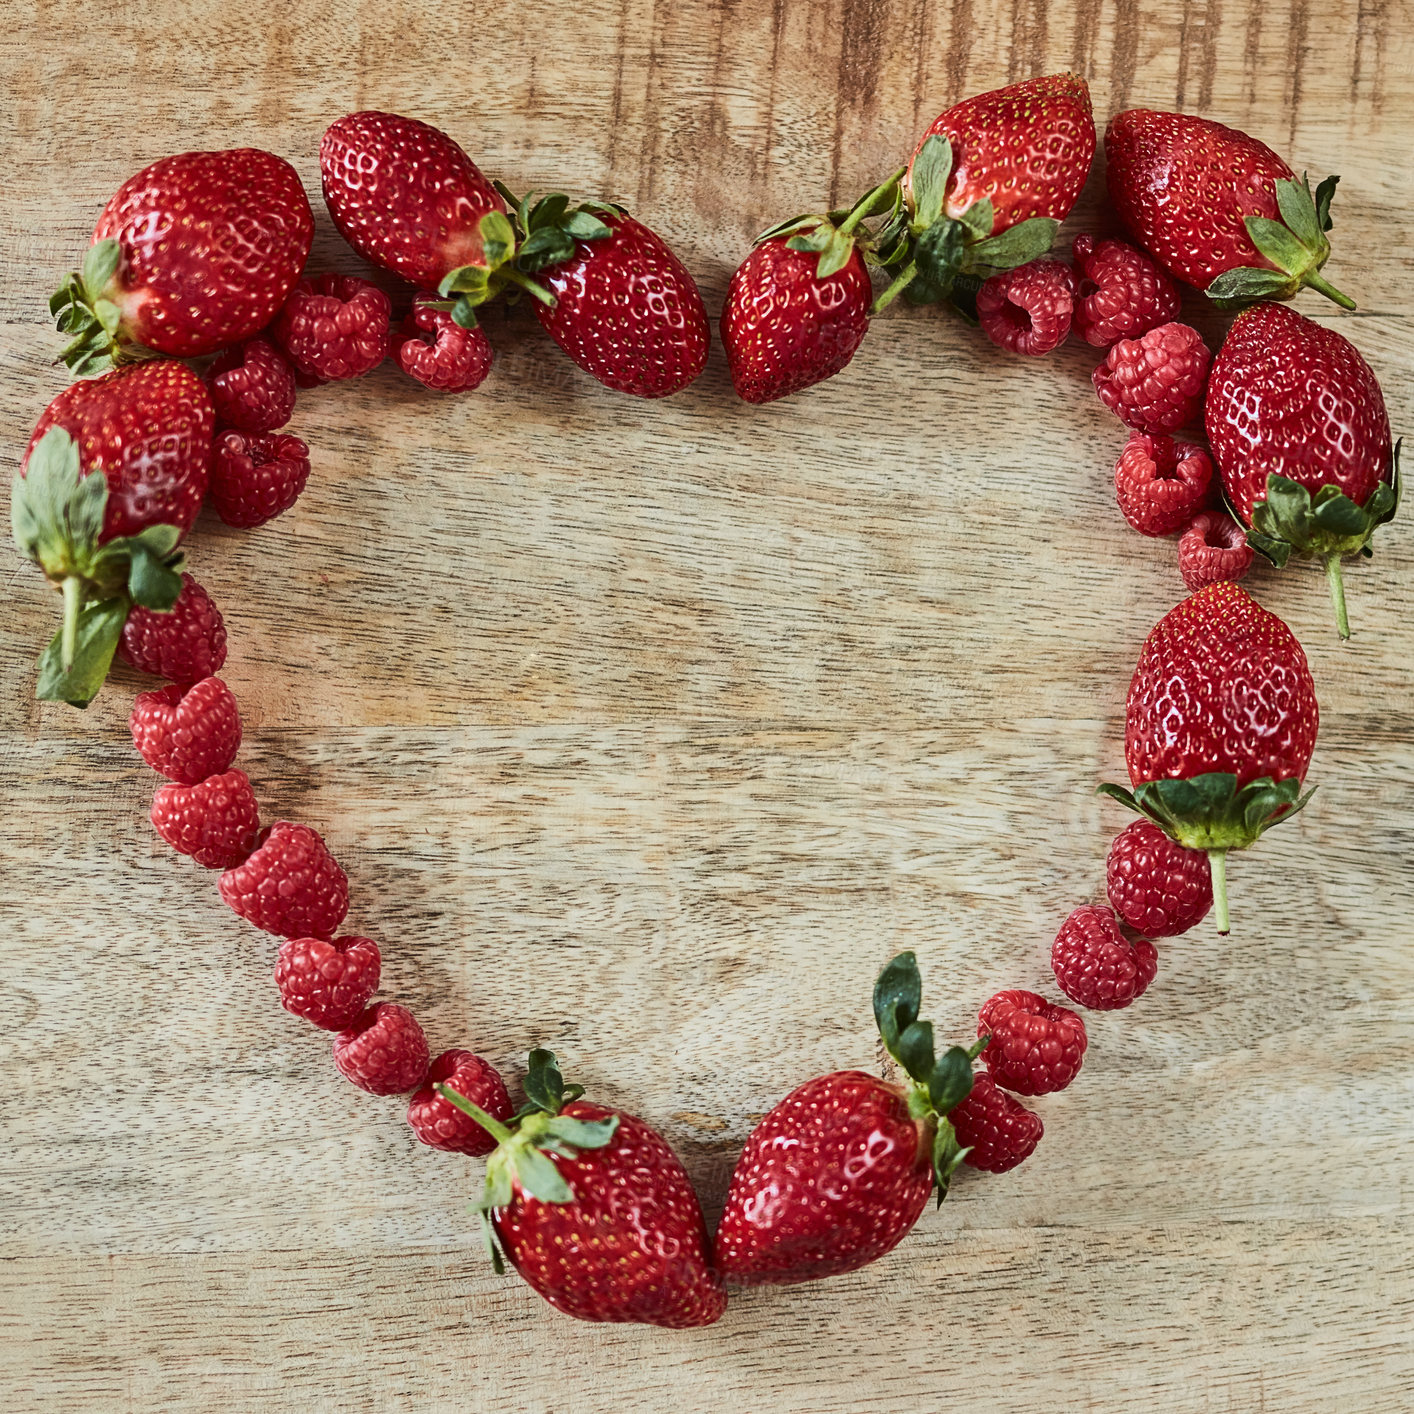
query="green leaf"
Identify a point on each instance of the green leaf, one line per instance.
(464, 313)
(947, 1155)
(1298, 210)
(835, 256)
(1337, 514)
(488, 1239)
(499, 1189)
(1119, 793)
(794, 223)
(929, 180)
(470, 280)
(581, 1133)
(1324, 192)
(1245, 285)
(584, 226)
(979, 218)
(1278, 244)
(548, 211)
(498, 238)
(544, 1085)
(153, 582)
(537, 1175)
(548, 246)
(812, 240)
(99, 627)
(915, 1050)
(898, 995)
(951, 1081)
(938, 252)
(1278, 552)
(1018, 245)
(100, 264)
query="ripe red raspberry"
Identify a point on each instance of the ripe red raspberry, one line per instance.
(1160, 483)
(215, 822)
(328, 983)
(1121, 293)
(1156, 382)
(254, 477)
(1027, 310)
(997, 1127)
(433, 348)
(1096, 965)
(290, 886)
(185, 644)
(1036, 1046)
(187, 733)
(1156, 886)
(439, 1123)
(1213, 547)
(334, 326)
(383, 1050)
(252, 387)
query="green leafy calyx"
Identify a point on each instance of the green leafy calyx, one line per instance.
(834, 236)
(939, 1083)
(1296, 245)
(527, 1146)
(85, 308)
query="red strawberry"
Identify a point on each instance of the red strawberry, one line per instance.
(1221, 721)
(334, 327)
(992, 179)
(995, 1128)
(838, 1173)
(290, 886)
(440, 1123)
(215, 821)
(1096, 965)
(257, 476)
(1036, 1047)
(1217, 208)
(433, 348)
(110, 541)
(193, 253)
(328, 983)
(186, 643)
(383, 1050)
(1213, 547)
(406, 197)
(625, 309)
(252, 387)
(1155, 885)
(1160, 483)
(594, 1209)
(187, 733)
(1298, 425)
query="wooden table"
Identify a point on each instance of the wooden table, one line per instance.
(647, 732)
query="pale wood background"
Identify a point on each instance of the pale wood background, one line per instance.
(649, 731)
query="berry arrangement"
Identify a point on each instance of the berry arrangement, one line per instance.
(1278, 445)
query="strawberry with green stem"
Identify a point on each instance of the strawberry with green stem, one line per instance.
(593, 1208)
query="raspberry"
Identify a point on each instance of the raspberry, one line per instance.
(1213, 547)
(256, 476)
(1156, 886)
(440, 1123)
(291, 886)
(252, 387)
(1156, 382)
(187, 733)
(998, 1129)
(1160, 483)
(185, 644)
(1096, 965)
(1120, 292)
(327, 983)
(215, 822)
(1036, 1046)
(333, 327)
(1027, 310)
(452, 359)
(383, 1050)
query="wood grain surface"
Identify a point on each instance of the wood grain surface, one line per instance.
(648, 732)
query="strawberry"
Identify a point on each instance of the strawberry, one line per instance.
(594, 1209)
(992, 179)
(1220, 724)
(1219, 209)
(838, 1173)
(1298, 425)
(109, 542)
(621, 305)
(193, 253)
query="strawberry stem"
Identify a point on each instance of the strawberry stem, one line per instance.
(1337, 584)
(493, 1127)
(1319, 283)
(1217, 861)
(73, 604)
(900, 282)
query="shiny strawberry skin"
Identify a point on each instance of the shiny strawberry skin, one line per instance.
(1291, 396)
(1222, 685)
(148, 426)
(1027, 148)
(1184, 186)
(783, 328)
(627, 311)
(630, 1246)
(212, 243)
(404, 195)
(831, 1180)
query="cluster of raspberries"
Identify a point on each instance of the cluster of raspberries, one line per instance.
(1153, 378)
